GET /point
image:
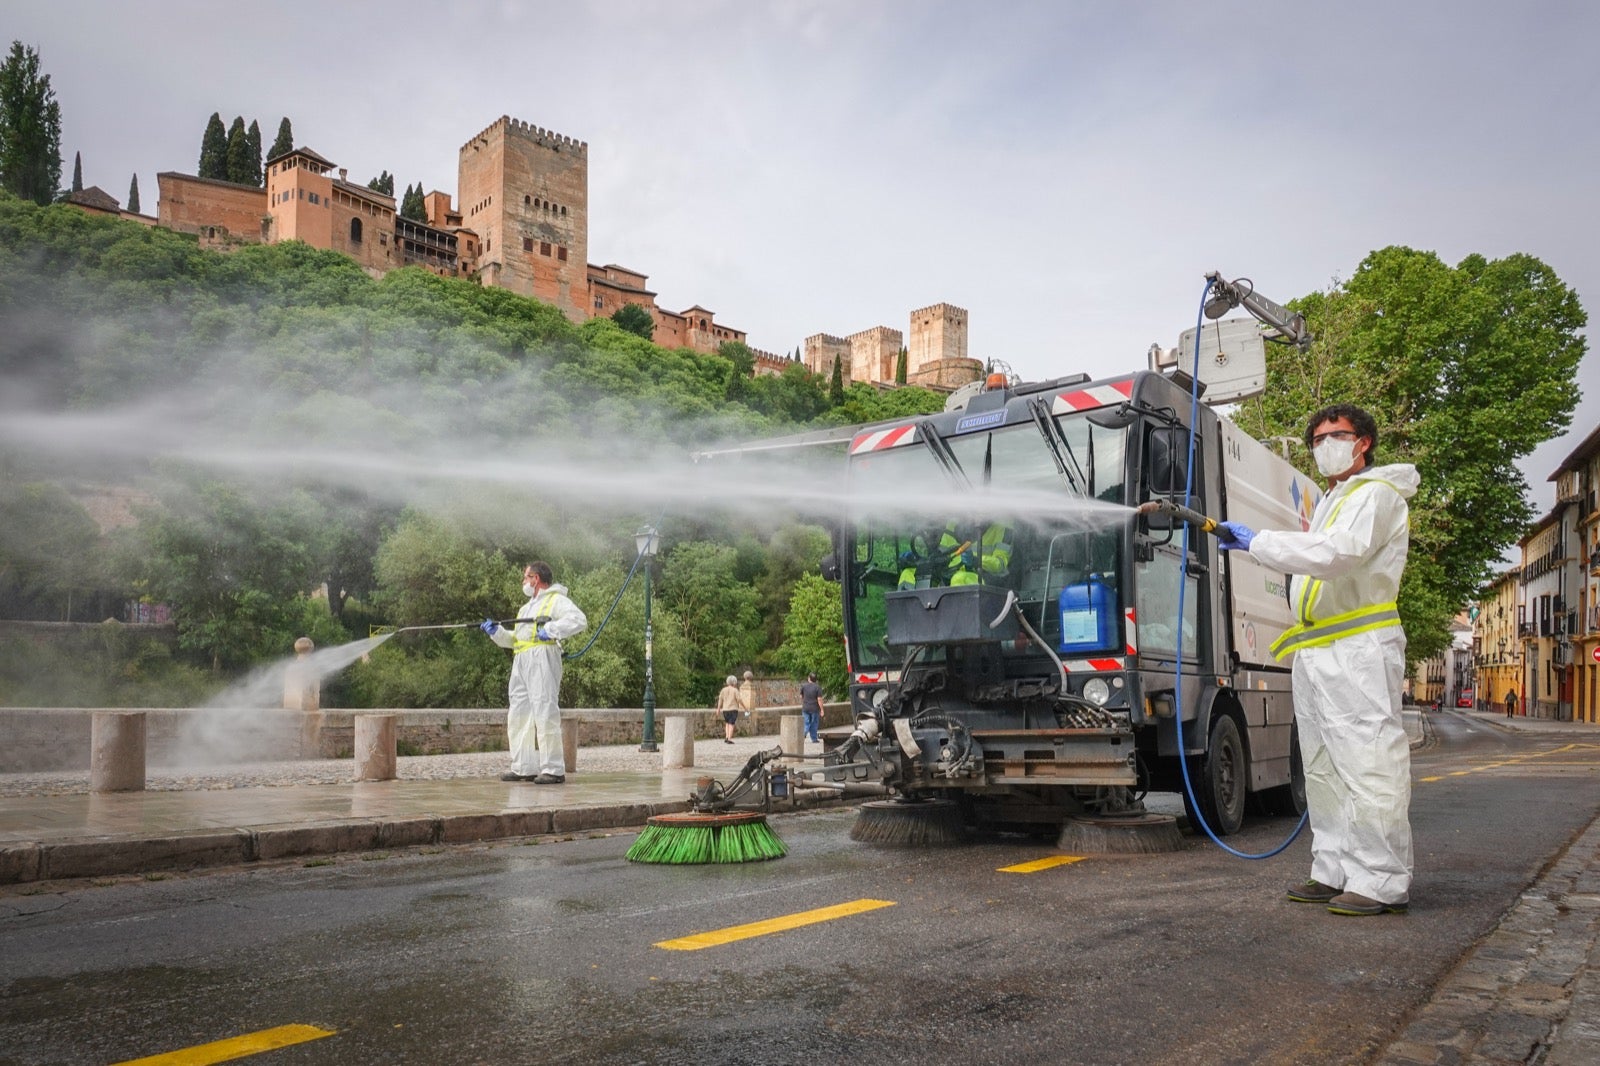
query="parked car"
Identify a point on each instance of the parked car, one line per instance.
(1466, 698)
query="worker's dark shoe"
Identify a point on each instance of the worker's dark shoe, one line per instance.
(1354, 903)
(1312, 891)
(516, 777)
(548, 779)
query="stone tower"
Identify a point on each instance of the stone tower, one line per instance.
(937, 333)
(525, 192)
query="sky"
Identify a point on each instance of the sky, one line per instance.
(1065, 171)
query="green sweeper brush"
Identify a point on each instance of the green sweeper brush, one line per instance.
(692, 837)
(713, 831)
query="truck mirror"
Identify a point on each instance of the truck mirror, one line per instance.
(1166, 461)
(1118, 417)
(830, 567)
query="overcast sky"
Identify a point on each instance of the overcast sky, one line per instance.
(1066, 171)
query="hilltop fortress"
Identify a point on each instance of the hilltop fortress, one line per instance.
(521, 223)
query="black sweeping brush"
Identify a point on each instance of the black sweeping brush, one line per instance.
(1120, 834)
(909, 823)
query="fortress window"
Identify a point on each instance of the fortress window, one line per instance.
(544, 247)
(527, 244)
(561, 253)
(563, 211)
(526, 199)
(355, 231)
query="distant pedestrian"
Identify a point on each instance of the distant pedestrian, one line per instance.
(1511, 703)
(811, 707)
(730, 703)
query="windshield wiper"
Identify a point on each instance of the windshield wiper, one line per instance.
(941, 451)
(1057, 441)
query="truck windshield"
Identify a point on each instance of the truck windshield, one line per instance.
(1005, 517)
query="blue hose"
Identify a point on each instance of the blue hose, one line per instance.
(625, 583)
(1177, 697)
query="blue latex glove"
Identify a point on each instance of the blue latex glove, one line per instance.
(1234, 536)
(909, 559)
(969, 560)
(490, 626)
(543, 634)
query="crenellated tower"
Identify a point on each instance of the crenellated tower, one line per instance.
(524, 191)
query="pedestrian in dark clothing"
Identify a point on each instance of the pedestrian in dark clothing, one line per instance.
(811, 707)
(1511, 702)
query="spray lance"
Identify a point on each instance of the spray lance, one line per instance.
(1204, 523)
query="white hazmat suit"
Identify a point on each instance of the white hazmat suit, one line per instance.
(1349, 662)
(533, 723)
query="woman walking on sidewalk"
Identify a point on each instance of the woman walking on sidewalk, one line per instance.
(730, 703)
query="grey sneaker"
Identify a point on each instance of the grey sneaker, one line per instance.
(1353, 903)
(549, 779)
(1312, 891)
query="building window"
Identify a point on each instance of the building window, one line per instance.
(526, 199)
(561, 253)
(544, 247)
(355, 231)
(527, 244)
(563, 212)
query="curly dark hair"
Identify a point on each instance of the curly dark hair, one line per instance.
(1364, 424)
(542, 571)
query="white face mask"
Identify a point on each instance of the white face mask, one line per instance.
(528, 589)
(1334, 456)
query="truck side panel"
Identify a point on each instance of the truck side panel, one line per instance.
(1263, 491)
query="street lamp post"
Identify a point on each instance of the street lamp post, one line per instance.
(647, 540)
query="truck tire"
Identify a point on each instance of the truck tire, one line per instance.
(1221, 778)
(1288, 800)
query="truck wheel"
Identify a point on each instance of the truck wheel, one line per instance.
(1222, 778)
(1288, 800)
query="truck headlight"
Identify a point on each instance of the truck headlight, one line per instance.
(879, 698)
(1096, 691)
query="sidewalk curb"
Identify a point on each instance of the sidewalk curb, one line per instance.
(112, 855)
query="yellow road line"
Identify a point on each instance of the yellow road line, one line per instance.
(772, 925)
(236, 1047)
(1428, 779)
(1046, 863)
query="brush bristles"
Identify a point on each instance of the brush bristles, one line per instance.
(912, 825)
(684, 845)
(1149, 835)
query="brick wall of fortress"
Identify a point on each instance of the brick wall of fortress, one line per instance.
(197, 205)
(525, 234)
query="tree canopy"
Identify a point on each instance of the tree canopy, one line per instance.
(213, 150)
(635, 320)
(284, 141)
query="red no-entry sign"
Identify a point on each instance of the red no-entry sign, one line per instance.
(1596, 653)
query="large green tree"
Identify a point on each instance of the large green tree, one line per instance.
(30, 128)
(717, 612)
(239, 153)
(214, 150)
(284, 142)
(1466, 369)
(813, 633)
(635, 320)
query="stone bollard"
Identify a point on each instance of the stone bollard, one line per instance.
(302, 688)
(677, 742)
(116, 751)
(569, 744)
(792, 734)
(375, 753)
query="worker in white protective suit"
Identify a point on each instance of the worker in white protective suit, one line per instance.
(533, 723)
(1349, 661)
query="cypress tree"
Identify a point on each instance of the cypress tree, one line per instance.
(77, 171)
(836, 386)
(133, 195)
(214, 150)
(30, 128)
(383, 183)
(252, 142)
(900, 368)
(285, 141)
(412, 207)
(238, 153)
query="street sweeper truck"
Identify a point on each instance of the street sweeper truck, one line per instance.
(1012, 571)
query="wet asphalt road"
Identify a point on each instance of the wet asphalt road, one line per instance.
(543, 952)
